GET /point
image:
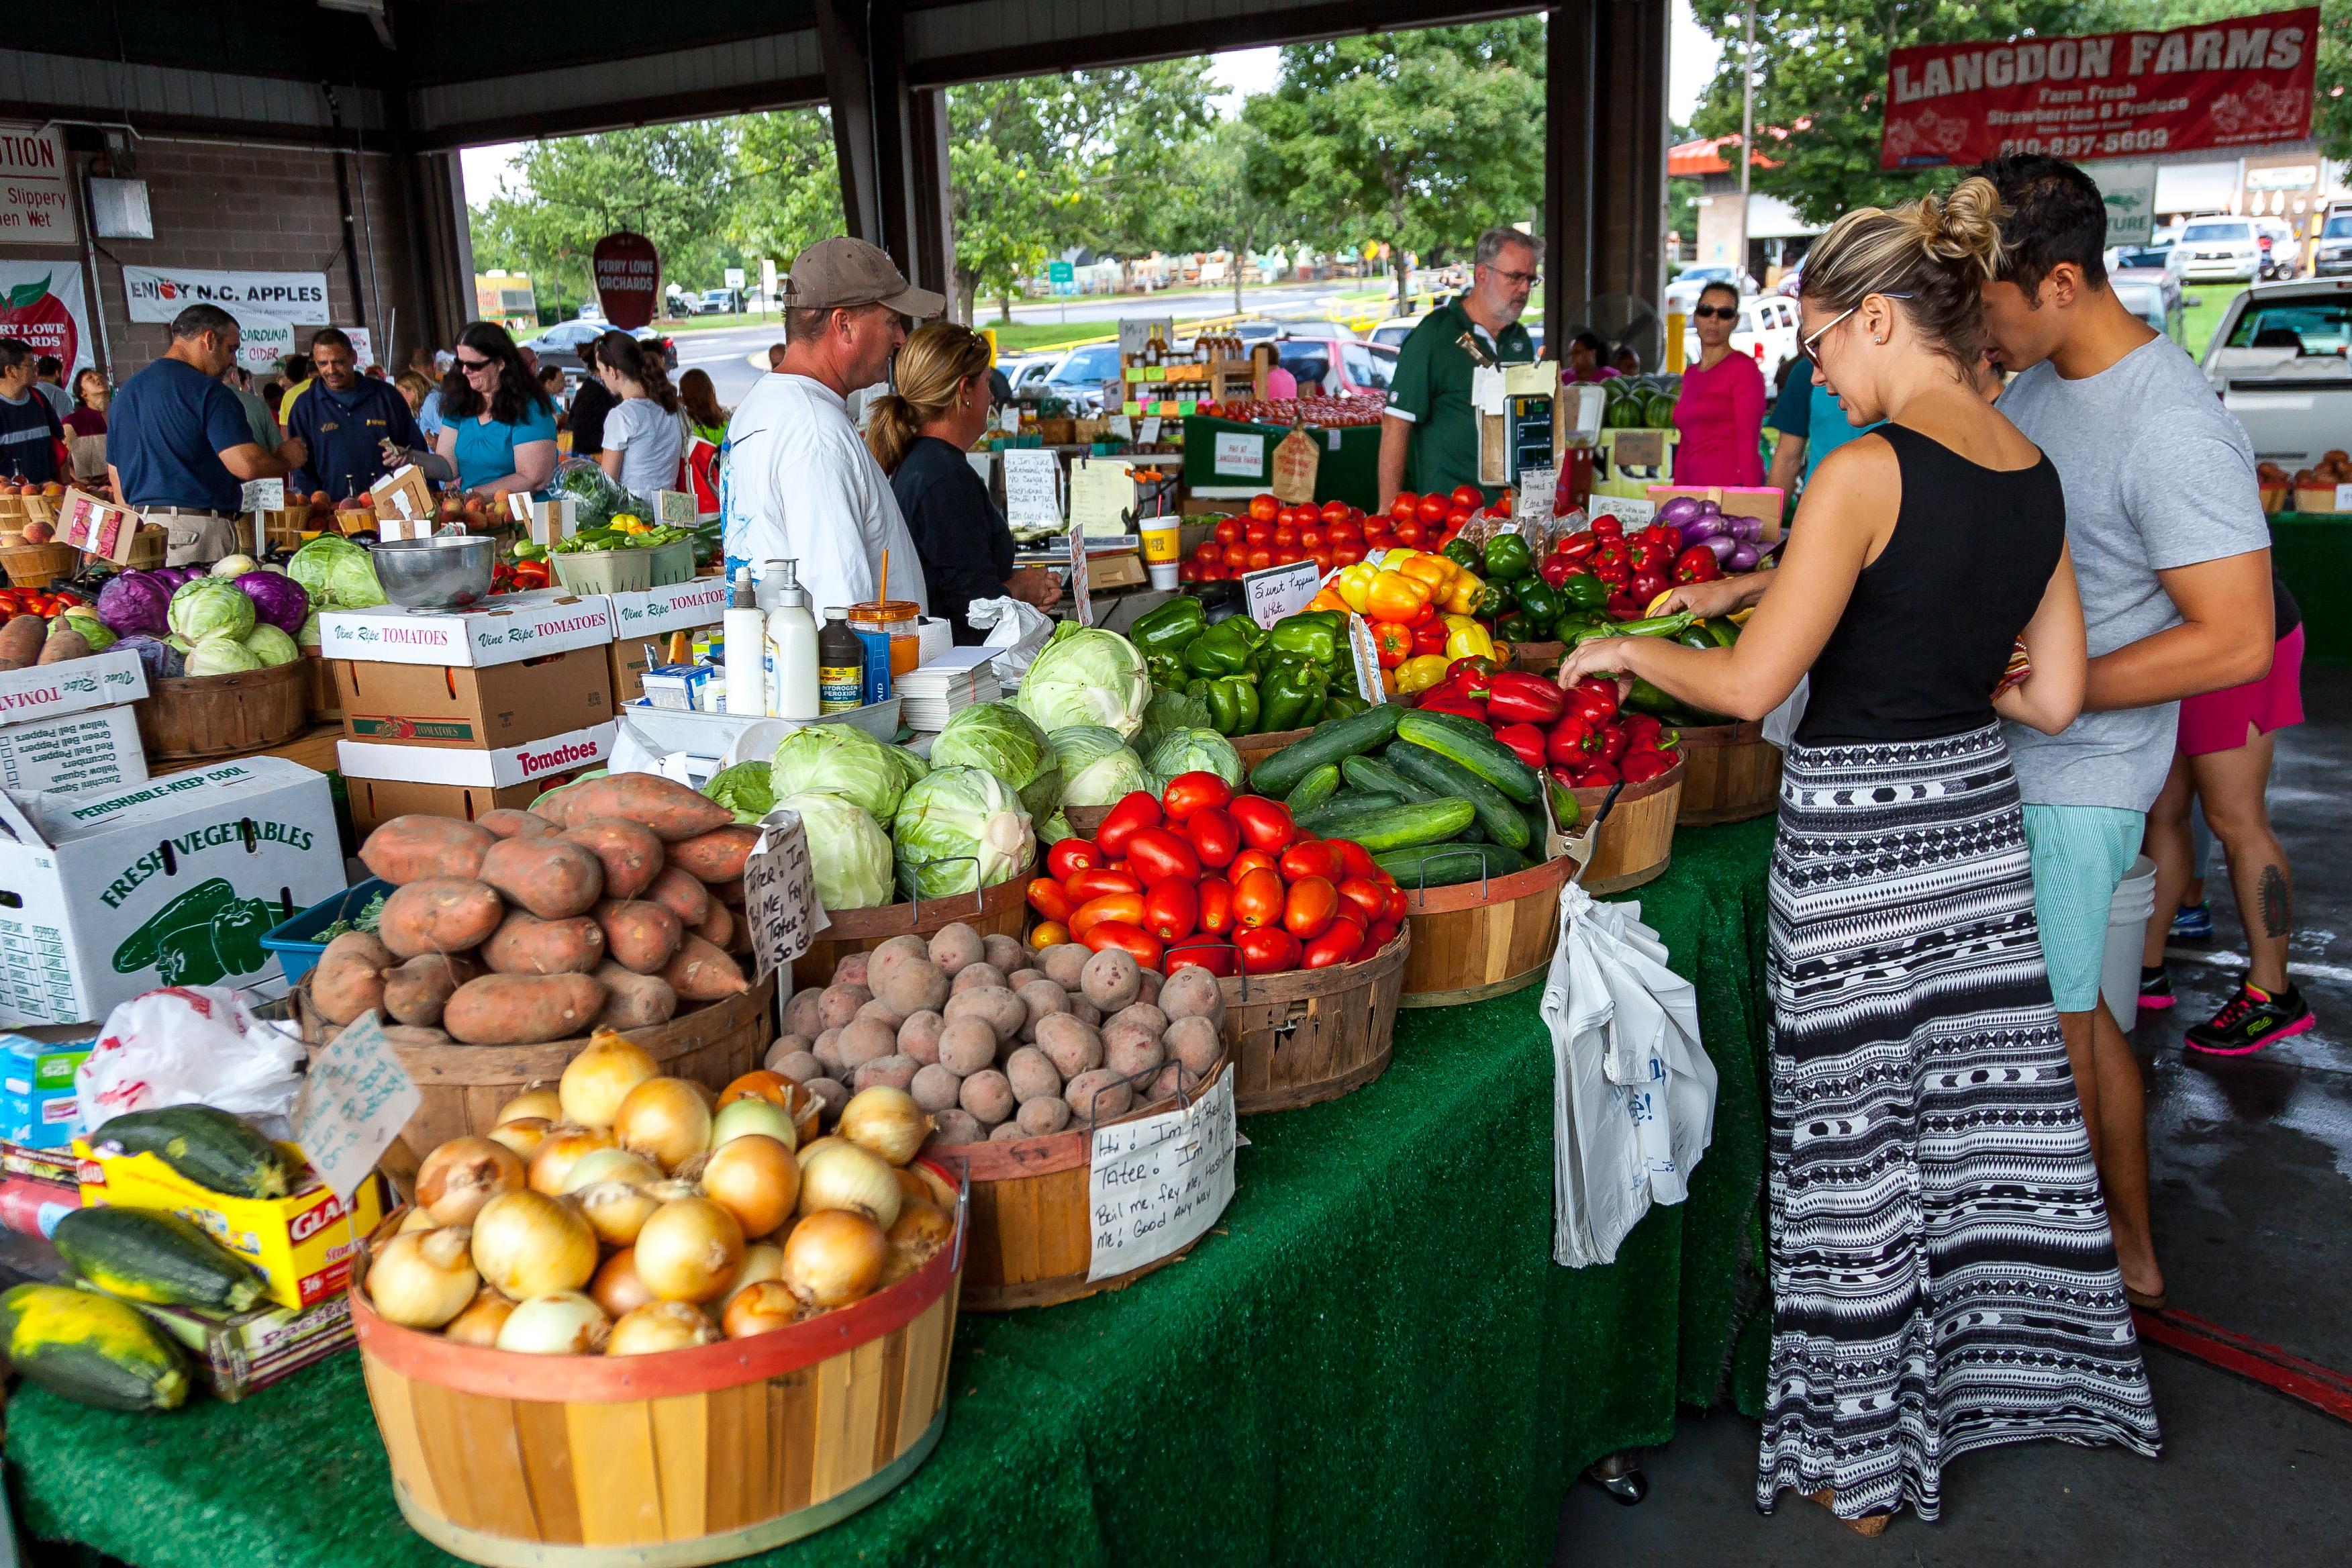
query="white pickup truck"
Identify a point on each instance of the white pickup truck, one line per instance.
(2278, 359)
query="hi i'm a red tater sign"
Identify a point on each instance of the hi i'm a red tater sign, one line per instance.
(2238, 83)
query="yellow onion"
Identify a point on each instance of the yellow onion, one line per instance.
(418, 1220)
(616, 1211)
(480, 1323)
(665, 1119)
(688, 1250)
(529, 1244)
(921, 1227)
(601, 1077)
(421, 1280)
(543, 1103)
(843, 1175)
(806, 1110)
(461, 1176)
(669, 1191)
(522, 1135)
(810, 1146)
(741, 1117)
(885, 1120)
(761, 1309)
(834, 1257)
(610, 1165)
(762, 1260)
(755, 1179)
(562, 1323)
(660, 1326)
(897, 1263)
(563, 1148)
(616, 1287)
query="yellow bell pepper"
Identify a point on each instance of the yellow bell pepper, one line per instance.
(1463, 595)
(1465, 639)
(1396, 597)
(1354, 585)
(1434, 569)
(1420, 672)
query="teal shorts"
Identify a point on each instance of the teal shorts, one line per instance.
(2081, 855)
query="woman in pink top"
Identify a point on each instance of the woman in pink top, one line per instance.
(1721, 410)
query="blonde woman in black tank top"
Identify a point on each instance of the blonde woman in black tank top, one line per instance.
(1943, 1276)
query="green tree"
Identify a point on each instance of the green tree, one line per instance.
(786, 187)
(1230, 198)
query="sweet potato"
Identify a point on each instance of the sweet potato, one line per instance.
(63, 645)
(439, 914)
(523, 1009)
(410, 848)
(349, 979)
(698, 971)
(634, 1001)
(640, 936)
(508, 823)
(715, 857)
(671, 810)
(20, 641)
(525, 944)
(718, 929)
(555, 805)
(418, 990)
(681, 895)
(632, 855)
(554, 878)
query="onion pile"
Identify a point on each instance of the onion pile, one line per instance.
(626, 1213)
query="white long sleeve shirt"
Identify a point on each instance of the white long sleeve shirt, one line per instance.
(801, 486)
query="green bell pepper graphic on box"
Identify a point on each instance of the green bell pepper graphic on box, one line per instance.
(205, 934)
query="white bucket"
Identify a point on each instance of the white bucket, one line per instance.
(2127, 918)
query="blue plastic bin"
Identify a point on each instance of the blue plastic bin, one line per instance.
(295, 942)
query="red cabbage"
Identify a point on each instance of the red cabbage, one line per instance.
(278, 599)
(161, 659)
(132, 603)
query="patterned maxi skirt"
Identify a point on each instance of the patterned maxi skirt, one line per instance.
(1943, 1277)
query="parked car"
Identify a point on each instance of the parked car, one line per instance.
(1683, 292)
(1076, 378)
(1334, 358)
(2221, 250)
(1769, 321)
(2278, 359)
(2154, 298)
(559, 345)
(2332, 255)
(719, 302)
(2169, 259)
(1396, 329)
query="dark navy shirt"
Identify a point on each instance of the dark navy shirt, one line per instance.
(164, 433)
(344, 431)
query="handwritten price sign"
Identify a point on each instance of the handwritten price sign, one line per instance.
(780, 893)
(1158, 1184)
(355, 1100)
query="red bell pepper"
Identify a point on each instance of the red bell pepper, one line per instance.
(1647, 554)
(1609, 526)
(1571, 744)
(1577, 547)
(1429, 639)
(1461, 706)
(1556, 570)
(1527, 742)
(1613, 742)
(1594, 692)
(1646, 586)
(1697, 564)
(1471, 678)
(1516, 696)
(1598, 774)
(1640, 767)
(1623, 606)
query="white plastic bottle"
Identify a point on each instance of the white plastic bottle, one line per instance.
(792, 650)
(746, 636)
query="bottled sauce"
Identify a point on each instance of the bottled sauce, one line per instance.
(746, 686)
(840, 665)
(792, 686)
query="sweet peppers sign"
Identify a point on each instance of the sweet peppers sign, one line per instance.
(2243, 82)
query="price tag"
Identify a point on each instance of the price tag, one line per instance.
(1239, 456)
(1368, 659)
(1149, 434)
(355, 1100)
(1078, 597)
(1629, 508)
(1032, 490)
(2344, 498)
(1156, 1184)
(780, 893)
(1271, 592)
(263, 495)
(1122, 427)
(1532, 506)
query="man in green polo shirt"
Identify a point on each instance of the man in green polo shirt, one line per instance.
(1429, 434)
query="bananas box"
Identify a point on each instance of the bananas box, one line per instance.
(303, 1243)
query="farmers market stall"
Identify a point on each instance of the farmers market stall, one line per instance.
(2311, 552)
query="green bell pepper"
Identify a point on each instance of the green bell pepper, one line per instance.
(1232, 706)
(1339, 704)
(1507, 557)
(1313, 635)
(1167, 670)
(1541, 601)
(1290, 690)
(1222, 649)
(1463, 554)
(1584, 591)
(1501, 598)
(1169, 628)
(1518, 626)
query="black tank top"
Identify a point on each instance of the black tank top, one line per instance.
(1928, 633)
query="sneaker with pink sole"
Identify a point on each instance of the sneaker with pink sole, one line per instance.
(2250, 1020)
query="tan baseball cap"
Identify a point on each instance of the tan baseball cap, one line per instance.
(844, 271)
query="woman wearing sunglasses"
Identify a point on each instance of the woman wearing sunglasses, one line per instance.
(1721, 409)
(498, 423)
(1943, 1275)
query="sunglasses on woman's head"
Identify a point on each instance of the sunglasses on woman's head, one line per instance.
(1714, 312)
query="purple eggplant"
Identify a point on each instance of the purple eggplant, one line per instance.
(1723, 544)
(1679, 512)
(1743, 557)
(1699, 530)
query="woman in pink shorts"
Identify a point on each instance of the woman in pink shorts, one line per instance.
(2224, 760)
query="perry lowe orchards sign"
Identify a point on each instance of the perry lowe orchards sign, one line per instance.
(2238, 83)
(628, 279)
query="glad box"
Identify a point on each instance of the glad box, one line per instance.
(518, 626)
(495, 767)
(504, 705)
(170, 882)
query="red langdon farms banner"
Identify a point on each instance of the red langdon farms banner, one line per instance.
(2238, 83)
(628, 279)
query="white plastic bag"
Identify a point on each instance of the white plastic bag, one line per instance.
(188, 1045)
(1781, 724)
(1019, 631)
(1632, 1091)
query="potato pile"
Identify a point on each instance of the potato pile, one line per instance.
(2334, 468)
(609, 904)
(999, 1042)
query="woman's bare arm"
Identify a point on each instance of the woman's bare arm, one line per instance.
(2049, 699)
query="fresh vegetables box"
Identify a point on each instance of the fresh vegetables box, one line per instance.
(168, 882)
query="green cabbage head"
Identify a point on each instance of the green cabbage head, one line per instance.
(336, 574)
(847, 849)
(1169, 709)
(1085, 674)
(1001, 738)
(208, 607)
(838, 759)
(744, 789)
(222, 656)
(955, 818)
(1197, 752)
(270, 645)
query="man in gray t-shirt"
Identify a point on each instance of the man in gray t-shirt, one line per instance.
(2173, 559)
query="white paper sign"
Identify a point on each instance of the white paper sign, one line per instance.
(2344, 498)
(1033, 490)
(263, 495)
(1122, 427)
(780, 893)
(1078, 595)
(363, 346)
(1271, 592)
(1629, 508)
(1008, 420)
(1532, 507)
(1149, 431)
(355, 1100)
(1159, 1182)
(1240, 455)
(1102, 492)
(1368, 659)
(1134, 334)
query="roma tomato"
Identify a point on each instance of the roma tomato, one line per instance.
(1155, 854)
(1433, 508)
(1146, 949)
(1339, 944)
(1403, 505)
(1137, 808)
(1355, 860)
(1469, 496)
(1267, 950)
(1216, 906)
(1315, 858)
(1049, 933)
(1380, 936)
(1201, 953)
(1123, 906)
(1308, 908)
(1368, 897)
(1171, 909)
(1095, 881)
(1259, 898)
(1188, 793)
(1265, 823)
(1229, 531)
(1049, 898)
(1334, 511)
(1070, 856)
(1398, 904)
(1250, 860)
(1213, 833)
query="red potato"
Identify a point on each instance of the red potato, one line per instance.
(631, 855)
(523, 1009)
(716, 857)
(554, 878)
(640, 936)
(508, 823)
(439, 914)
(410, 848)
(525, 944)
(348, 977)
(681, 895)
(418, 992)
(633, 1001)
(698, 971)
(671, 810)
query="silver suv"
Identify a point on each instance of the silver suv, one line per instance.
(2278, 360)
(2222, 249)
(2331, 255)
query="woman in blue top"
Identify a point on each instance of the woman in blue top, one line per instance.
(498, 427)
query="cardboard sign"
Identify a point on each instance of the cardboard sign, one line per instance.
(1032, 487)
(1270, 593)
(1239, 456)
(1102, 492)
(1295, 462)
(676, 508)
(780, 893)
(1626, 508)
(402, 494)
(1158, 1184)
(263, 495)
(1078, 597)
(1133, 335)
(1368, 659)
(1122, 427)
(355, 1100)
(1148, 433)
(96, 527)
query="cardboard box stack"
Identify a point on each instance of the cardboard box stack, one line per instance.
(643, 624)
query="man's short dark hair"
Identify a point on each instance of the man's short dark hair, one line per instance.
(2056, 215)
(334, 337)
(197, 320)
(50, 365)
(13, 352)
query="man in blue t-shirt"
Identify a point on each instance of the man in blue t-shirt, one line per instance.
(178, 447)
(345, 419)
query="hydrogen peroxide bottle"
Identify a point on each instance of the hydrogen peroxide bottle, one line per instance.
(840, 665)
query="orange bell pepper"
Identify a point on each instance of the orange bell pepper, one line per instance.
(1434, 569)
(1396, 597)
(1394, 642)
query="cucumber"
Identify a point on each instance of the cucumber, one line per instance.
(1533, 813)
(1498, 813)
(90, 1349)
(210, 1148)
(1364, 800)
(1403, 826)
(1313, 790)
(1473, 747)
(145, 1254)
(1330, 820)
(1328, 743)
(1370, 774)
(1443, 864)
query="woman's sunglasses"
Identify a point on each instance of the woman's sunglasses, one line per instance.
(470, 365)
(1805, 345)
(1714, 312)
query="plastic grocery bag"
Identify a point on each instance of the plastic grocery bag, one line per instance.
(188, 1045)
(1632, 1090)
(1019, 629)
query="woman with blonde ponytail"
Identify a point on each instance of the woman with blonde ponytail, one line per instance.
(1943, 1274)
(919, 431)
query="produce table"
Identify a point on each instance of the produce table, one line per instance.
(1373, 1346)
(2313, 554)
(1348, 469)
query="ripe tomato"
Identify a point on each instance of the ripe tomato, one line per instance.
(1368, 899)
(1259, 898)
(1433, 508)
(1322, 558)
(1236, 556)
(1132, 939)
(1188, 573)
(1209, 550)
(1380, 936)
(1269, 950)
(1340, 943)
(1155, 854)
(1334, 511)
(1249, 860)
(1469, 496)
(1126, 906)
(1216, 906)
(1257, 532)
(1229, 530)
(1137, 808)
(1312, 538)
(1171, 909)
(1262, 507)
(1188, 793)
(1403, 505)
(1265, 823)
(1285, 536)
(1049, 899)
(1308, 908)
(1347, 533)
(1458, 520)
(1355, 860)
(1288, 556)
(1409, 532)
(1093, 881)
(1213, 835)
(1314, 858)
(1263, 556)
(1203, 953)
(1399, 903)
(1049, 933)
(1070, 856)
(1347, 554)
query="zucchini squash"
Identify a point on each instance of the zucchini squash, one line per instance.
(90, 1349)
(1328, 743)
(146, 1254)
(1470, 745)
(210, 1148)
(1498, 813)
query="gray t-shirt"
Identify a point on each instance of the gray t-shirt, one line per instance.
(2157, 475)
(648, 441)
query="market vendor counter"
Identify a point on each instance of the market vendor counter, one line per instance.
(1373, 1346)
(2313, 554)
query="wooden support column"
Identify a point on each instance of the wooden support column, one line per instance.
(890, 140)
(1629, 174)
(1568, 64)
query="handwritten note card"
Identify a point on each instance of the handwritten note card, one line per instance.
(355, 1100)
(262, 495)
(1102, 492)
(1033, 489)
(1273, 592)
(1158, 1184)
(780, 893)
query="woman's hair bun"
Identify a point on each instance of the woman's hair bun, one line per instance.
(1963, 225)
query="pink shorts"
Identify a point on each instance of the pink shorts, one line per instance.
(2217, 721)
